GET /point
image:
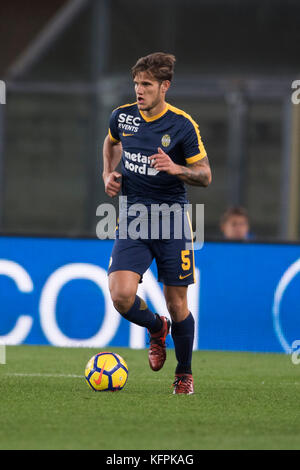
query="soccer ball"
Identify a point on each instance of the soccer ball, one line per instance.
(106, 371)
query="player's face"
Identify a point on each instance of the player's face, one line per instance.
(236, 228)
(150, 93)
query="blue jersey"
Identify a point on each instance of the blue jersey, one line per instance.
(174, 131)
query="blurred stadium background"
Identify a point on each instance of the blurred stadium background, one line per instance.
(66, 65)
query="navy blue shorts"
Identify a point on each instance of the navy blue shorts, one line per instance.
(174, 256)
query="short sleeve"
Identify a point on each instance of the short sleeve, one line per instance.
(193, 147)
(113, 127)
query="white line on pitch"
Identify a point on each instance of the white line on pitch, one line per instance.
(70, 376)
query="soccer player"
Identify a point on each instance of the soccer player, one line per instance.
(161, 150)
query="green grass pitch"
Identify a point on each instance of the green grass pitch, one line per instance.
(241, 401)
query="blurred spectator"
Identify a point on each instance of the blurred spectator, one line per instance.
(235, 224)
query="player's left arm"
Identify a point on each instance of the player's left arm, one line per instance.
(195, 174)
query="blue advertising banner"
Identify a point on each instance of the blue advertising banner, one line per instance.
(55, 291)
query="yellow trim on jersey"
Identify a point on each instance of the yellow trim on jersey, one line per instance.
(157, 116)
(202, 151)
(124, 105)
(194, 159)
(114, 141)
(192, 236)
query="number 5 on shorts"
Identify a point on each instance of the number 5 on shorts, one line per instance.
(186, 262)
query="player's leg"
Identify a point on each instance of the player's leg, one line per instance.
(182, 331)
(176, 269)
(129, 260)
(123, 290)
(123, 287)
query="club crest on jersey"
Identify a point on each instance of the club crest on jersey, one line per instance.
(165, 140)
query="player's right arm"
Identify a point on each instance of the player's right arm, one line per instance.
(112, 153)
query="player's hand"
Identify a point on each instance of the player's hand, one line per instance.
(112, 183)
(162, 162)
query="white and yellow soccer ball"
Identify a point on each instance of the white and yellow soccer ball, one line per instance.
(106, 371)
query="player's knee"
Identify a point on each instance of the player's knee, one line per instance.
(123, 304)
(122, 299)
(175, 308)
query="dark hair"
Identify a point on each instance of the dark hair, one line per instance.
(158, 64)
(236, 210)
